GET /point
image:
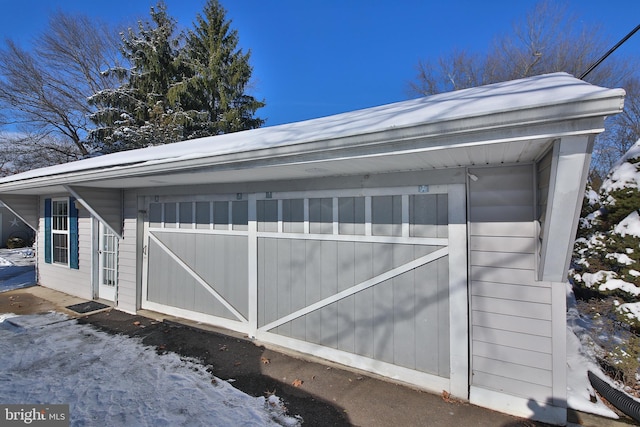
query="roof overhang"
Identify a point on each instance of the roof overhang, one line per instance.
(510, 129)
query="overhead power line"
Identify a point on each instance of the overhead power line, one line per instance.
(609, 52)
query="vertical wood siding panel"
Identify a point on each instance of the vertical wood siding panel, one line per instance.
(329, 287)
(426, 285)
(262, 280)
(404, 310)
(363, 307)
(158, 276)
(427, 319)
(219, 262)
(442, 298)
(185, 248)
(177, 276)
(236, 283)
(270, 307)
(383, 305)
(346, 306)
(313, 289)
(202, 262)
(283, 283)
(298, 293)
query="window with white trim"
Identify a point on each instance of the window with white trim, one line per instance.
(60, 231)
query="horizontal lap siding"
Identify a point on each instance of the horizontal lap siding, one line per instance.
(510, 311)
(60, 277)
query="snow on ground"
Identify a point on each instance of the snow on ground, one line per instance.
(581, 359)
(17, 269)
(115, 380)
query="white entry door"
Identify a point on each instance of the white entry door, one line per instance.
(107, 264)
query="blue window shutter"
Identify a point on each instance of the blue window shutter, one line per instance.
(73, 234)
(47, 231)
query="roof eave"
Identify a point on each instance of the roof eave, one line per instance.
(431, 135)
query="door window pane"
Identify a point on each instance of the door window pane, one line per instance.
(351, 215)
(186, 215)
(170, 216)
(293, 216)
(203, 215)
(267, 212)
(386, 215)
(240, 215)
(428, 215)
(221, 215)
(155, 214)
(321, 216)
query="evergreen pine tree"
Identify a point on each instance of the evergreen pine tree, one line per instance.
(178, 87)
(605, 250)
(217, 74)
(137, 114)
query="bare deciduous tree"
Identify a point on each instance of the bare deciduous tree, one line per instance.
(548, 39)
(623, 130)
(20, 152)
(44, 90)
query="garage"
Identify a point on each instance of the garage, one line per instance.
(357, 274)
(426, 241)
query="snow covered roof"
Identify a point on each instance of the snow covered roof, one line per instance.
(416, 126)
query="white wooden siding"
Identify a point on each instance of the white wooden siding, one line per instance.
(128, 256)
(511, 312)
(60, 277)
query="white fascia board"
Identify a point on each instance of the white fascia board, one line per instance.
(434, 133)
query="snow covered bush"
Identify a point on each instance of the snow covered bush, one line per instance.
(607, 250)
(606, 268)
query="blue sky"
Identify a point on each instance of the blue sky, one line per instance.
(314, 58)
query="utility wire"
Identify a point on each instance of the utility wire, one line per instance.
(609, 53)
